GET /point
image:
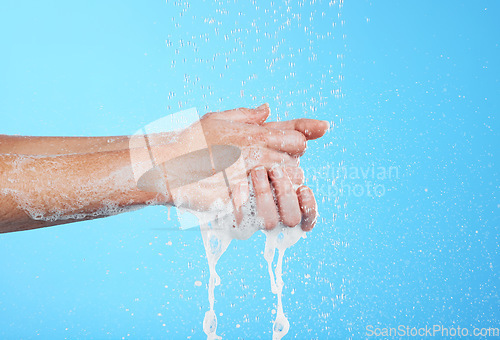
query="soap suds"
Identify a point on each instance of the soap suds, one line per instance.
(280, 238)
(217, 234)
(72, 200)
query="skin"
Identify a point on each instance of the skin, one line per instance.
(70, 179)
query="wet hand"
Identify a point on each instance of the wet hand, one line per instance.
(269, 152)
(274, 182)
(279, 196)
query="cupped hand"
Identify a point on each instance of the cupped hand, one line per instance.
(279, 196)
(269, 153)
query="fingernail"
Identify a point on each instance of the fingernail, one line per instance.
(262, 107)
(260, 173)
(305, 193)
(277, 171)
(327, 123)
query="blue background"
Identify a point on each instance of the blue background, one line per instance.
(408, 85)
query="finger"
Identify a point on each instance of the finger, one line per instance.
(289, 141)
(261, 156)
(266, 208)
(288, 204)
(310, 128)
(295, 174)
(242, 134)
(240, 195)
(308, 207)
(242, 115)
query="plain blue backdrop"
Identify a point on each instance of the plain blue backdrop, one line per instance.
(410, 86)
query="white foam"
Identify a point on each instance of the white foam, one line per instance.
(280, 238)
(29, 190)
(217, 235)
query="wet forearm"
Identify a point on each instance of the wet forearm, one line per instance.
(32, 145)
(37, 191)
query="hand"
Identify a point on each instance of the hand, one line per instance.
(276, 200)
(263, 146)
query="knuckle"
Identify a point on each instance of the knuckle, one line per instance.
(261, 135)
(298, 176)
(289, 161)
(244, 110)
(301, 140)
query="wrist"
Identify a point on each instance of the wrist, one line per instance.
(149, 185)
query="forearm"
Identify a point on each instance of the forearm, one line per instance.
(44, 191)
(31, 145)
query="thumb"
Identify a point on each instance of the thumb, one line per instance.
(243, 115)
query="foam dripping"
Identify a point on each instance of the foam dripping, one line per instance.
(280, 238)
(217, 235)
